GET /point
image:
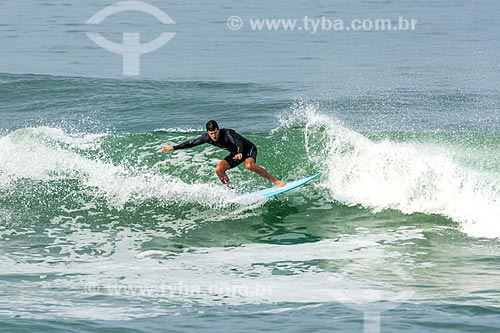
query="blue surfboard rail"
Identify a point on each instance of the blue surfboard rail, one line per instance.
(273, 191)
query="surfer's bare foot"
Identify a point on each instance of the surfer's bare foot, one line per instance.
(279, 183)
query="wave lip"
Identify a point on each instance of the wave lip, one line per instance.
(408, 177)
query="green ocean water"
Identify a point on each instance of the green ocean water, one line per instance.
(100, 231)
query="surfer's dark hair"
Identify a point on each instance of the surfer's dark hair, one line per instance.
(212, 125)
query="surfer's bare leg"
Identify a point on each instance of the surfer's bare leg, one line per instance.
(250, 165)
(220, 170)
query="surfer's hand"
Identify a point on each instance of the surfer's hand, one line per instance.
(238, 156)
(167, 148)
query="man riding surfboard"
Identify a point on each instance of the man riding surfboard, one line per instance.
(240, 150)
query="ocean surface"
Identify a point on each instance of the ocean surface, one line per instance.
(102, 232)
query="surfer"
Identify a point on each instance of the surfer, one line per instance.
(240, 150)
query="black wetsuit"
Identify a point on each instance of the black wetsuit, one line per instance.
(229, 140)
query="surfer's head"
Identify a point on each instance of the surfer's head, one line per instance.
(213, 130)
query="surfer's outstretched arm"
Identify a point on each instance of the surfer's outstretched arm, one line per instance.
(188, 144)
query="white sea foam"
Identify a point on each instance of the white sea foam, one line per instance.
(40, 154)
(205, 276)
(407, 177)
(180, 130)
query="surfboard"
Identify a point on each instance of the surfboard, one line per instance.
(274, 191)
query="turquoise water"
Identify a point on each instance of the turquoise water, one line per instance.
(101, 231)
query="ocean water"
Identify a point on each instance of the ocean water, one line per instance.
(102, 232)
